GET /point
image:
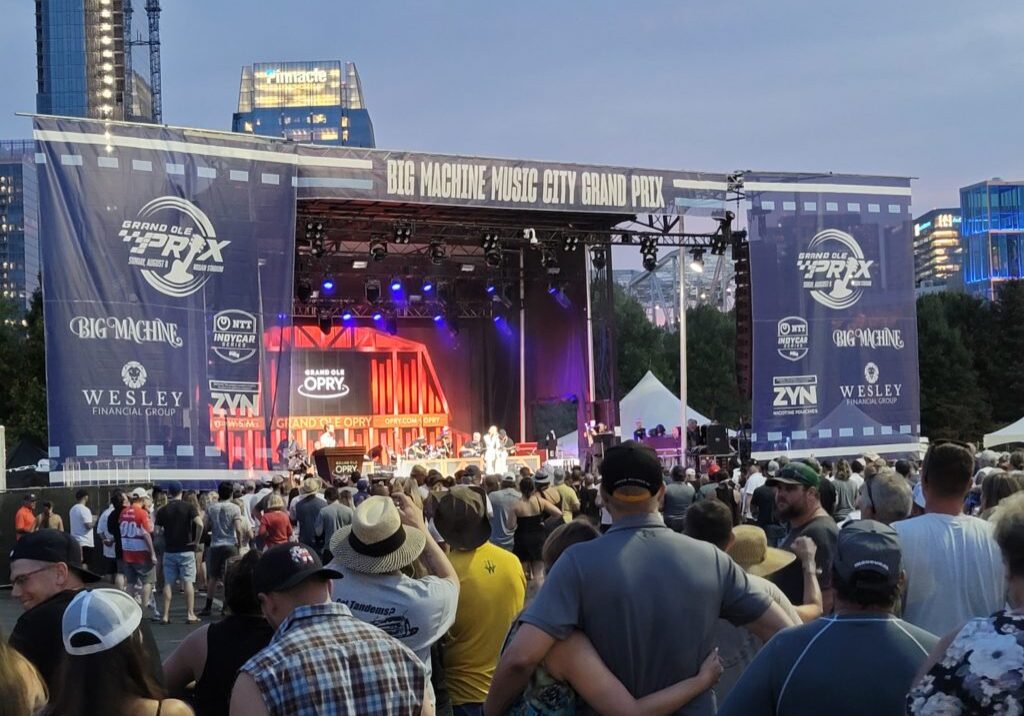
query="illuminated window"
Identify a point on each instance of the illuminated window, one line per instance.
(325, 135)
(344, 135)
(248, 127)
(318, 119)
(287, 119)
(344, 121)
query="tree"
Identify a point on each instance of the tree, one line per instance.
(639, 345)
(23, 372)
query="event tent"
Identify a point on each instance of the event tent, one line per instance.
(1013, 433)
(654, 404)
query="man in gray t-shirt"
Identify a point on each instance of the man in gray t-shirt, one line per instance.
(503, 524)
(678, 498)
(331, 519)
(226, 530)
(611, 589)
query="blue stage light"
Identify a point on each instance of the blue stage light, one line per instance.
(377, 315)
(428, 285)
(396, 284)
(327, 285)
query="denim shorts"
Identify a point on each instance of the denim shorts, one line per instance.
(179, 565)
(141, 573)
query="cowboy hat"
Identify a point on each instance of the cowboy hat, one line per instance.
(377, 542)
(750, 550)
(461, 517)
(310, 486)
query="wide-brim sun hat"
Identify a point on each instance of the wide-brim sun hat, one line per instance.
(750, 551)
(377, 542)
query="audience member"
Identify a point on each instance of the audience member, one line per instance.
(861, 660)
(137, 548)
(22, 690)
(638, 555)
(330, 519)
(954, 570)
(503, 497)
(304, 511)
(322, 660)
(107, 668)
(182, 526)
(227, 533)
(211, 655)
(679, 496)
(885, 498)
(530, 512)
(25, 518)
(82, 522)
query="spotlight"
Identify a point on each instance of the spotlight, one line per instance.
(378, 315)
(346, 313)
(697, 262)
(549, 261)
(531, 236)
(490, 241)
(318, 248)
(396, 284)
(438, 316)
(304, 290)
(553, 288)
(650, 262)
(403, 233)
(327, 285)
(437, 253)
(324, 320)
(598, 257)
(649, 252)
(428, 285)
(491, 287)
(491, 244)
(378, 249)
(372, 290)
(570, 243)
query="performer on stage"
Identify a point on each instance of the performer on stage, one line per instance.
(474, 448)
(327, 437)
(641, 432)
(492, 452)
(444, 446)
(551, 444)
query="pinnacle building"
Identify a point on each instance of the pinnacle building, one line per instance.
(308, 102)
(98, 59)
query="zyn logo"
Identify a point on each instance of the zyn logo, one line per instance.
(792, 338)
(234, 335)
(834, 269)
(324, 384)
(795, 394)
(176, 260)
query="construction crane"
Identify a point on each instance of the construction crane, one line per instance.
(150, 40)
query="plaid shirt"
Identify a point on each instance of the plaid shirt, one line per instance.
(323, 661)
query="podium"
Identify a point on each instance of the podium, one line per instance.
(338, 461)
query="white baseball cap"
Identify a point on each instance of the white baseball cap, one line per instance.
(98, 620)
(139, 492)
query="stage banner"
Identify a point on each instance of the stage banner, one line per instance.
(835, 368)
(167, 258)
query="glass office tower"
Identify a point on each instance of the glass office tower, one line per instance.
(97, 59)
(992, 235)
(937, 249)
(19, 223)
(310, 102)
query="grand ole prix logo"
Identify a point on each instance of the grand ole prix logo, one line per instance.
(834, 269)
(176, 256)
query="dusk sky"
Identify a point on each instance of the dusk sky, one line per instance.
(929, 89)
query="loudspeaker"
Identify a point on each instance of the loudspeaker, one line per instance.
(718, 440)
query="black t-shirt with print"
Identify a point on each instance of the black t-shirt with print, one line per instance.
(824, 533)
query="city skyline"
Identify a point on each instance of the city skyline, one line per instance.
(877, 88)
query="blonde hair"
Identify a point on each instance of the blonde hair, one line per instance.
(276, 502)
(1009, 532)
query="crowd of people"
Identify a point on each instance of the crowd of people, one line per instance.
(787, 588)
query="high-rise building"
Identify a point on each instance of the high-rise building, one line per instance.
(318, 102)
(19, 222)
(992, 235)
(99, 59)
(936, 248)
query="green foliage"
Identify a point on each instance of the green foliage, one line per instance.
(23, 373)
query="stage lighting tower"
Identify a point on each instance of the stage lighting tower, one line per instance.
(697, 260)
(378, 249)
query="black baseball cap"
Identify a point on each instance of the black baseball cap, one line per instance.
(30, 497)
(285, 565)
(53, 546)
(631, 464)
(867, 546)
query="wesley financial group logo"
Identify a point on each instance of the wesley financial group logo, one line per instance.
(872, 390)
(138, 398)
(834, 269)
(174, 246)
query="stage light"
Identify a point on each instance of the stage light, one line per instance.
(491, 244)
(437, 253)
(438, 317)
(371, 289)
(571, 243)
(490, 241)
(491, 288)
(403, 233)
(346, 313)
(396, 284)
(378, 249)
(359, 264)
(598, 257)
(697, 261)
(327, 285)
(649, 252)
(304, 290)
(553, 288)
(650, 262)
(549, 261)
(428, 285)
(324, 320)
(530, 235)
(378, 315)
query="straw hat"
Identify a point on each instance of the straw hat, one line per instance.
(377, 542)
(750, 550)
(310, 486)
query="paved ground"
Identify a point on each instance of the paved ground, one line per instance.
(167, 637)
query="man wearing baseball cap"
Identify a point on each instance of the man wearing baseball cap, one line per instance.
(608, 588)
(874, 654)
(25, 517)
(47, 572)
(321, 659)
(798, 504)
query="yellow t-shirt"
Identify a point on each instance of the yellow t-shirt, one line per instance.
(570, 502)
(492, 592)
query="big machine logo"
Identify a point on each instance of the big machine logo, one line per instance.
(795, 395)
(234, 335)
(177, 257)
(868, 338)
(135, 399)
(834, 269)
(142, 330)
(871, 391)
(793, 338)
(323, 383)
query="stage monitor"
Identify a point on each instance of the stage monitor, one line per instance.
(718, 440)
(338, 462)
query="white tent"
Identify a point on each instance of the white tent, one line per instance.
(1010, 434)
(654, 404)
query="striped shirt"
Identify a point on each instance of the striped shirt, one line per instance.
(135, 523)
(323, 661)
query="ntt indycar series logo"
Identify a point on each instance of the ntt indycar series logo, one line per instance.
(324, 384)
(834, 269)
(793, 338)
(173, 246)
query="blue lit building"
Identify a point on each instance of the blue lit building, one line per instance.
(19, 222)
(98, 59)
(992, 235)
(309, 102)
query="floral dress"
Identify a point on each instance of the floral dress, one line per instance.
(544, 695)
(982, 672)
